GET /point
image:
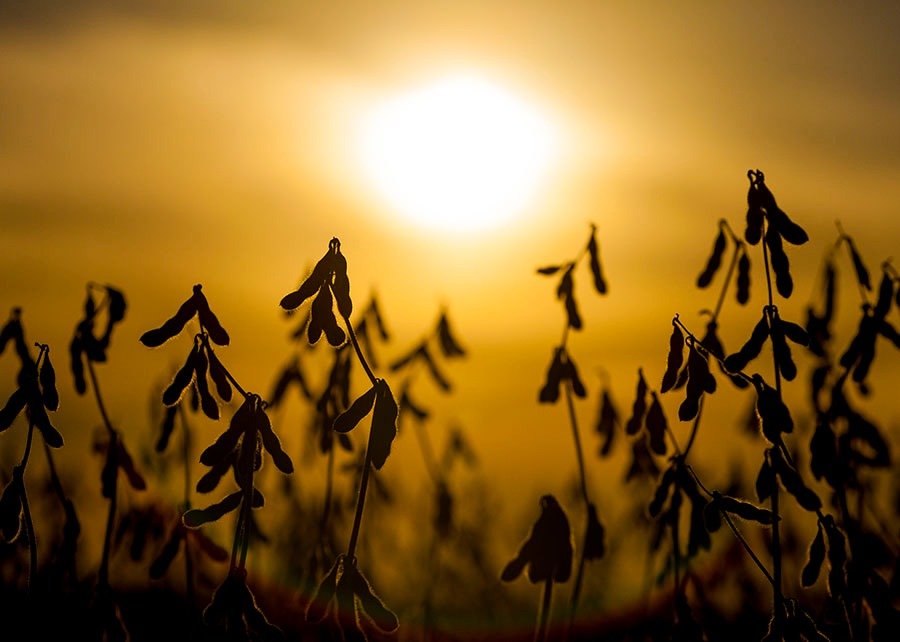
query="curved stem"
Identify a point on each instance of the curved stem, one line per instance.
(746, 545)
(734, 528)
(228, 375)
(93, 375)
(727, 282)
(695, 427)
(359, 353)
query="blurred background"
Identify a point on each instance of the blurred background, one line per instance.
(155, 145)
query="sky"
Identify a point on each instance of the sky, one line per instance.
(157, 145)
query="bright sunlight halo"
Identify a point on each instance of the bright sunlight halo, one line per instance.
(458, 154)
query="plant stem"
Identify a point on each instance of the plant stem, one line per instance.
(778, 597)
(540, 633)
(573, 421)
(359, 354)
(188, 557)
(579, 574)
(727, 282)
(360, 500)
(734, 529)
(103, 574)
(367, 463)
(237, 386)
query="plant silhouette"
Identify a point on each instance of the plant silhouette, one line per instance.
(86, 349)
(563, 373)
(547, 554)
(344, 590)
(35, 394)
(233, 610)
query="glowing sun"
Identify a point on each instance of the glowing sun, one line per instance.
(461, 153)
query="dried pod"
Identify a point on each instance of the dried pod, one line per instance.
(662, 492)
(48, 383)
(743, 278)
(340, 286)
(714, 261)
(639, 408)
(196, 517)
(183, 378)
(384, 424)
(778, 258)
(594, 259)
(793, 483)
(271, 443)
(674, 359)
(207, 401)
(775, 417)
(312, 283)
(781, 350)
(657, 426)
(755, 216)
(219, 377)
(744, 510)
(765, 481)
(607, 421)
(549, 270)
(347, 420)
(382, 617)
(317, 608)
(862, 274)
(449, 345)
(241, 423)
(549, 393)
(700, 380)
(750, 350)
(76, 356)
(173, 326)
(570, 372)
(14, 405)
(814, 559)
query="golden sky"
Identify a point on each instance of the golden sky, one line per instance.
(155, 145)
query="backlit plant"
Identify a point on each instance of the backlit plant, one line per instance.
(344, 590)
(239, 450)
(86, 349)
(562, 373)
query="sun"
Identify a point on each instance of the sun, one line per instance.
(461, 153)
